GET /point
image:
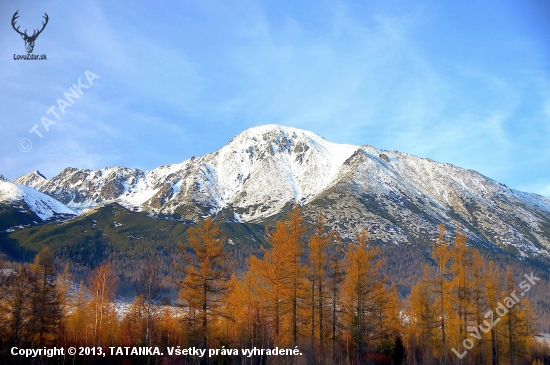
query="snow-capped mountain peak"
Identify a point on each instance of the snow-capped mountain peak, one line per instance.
(264, 170)
(273, 165)
(34, 179)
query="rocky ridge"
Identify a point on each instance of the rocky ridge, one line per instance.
(262, 172)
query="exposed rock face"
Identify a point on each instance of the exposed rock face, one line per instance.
(161, 197)
(263, 171)
(34, 180)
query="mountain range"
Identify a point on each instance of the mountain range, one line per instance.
(262, 172)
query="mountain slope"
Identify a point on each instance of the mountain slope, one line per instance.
(262, 172)
(126, 239)
(401, 198)
(34, 179)
(264, 167)
(26, 198)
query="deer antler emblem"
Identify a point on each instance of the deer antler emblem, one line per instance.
(29, 40)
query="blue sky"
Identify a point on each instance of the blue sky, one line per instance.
(466, 82)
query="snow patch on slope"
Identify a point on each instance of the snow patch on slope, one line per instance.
(273, 165)
(40, 204)
(35, 180)
(263, 170)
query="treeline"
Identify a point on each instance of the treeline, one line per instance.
(465, 308)
(307, 290)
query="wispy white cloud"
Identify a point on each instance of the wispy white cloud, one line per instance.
(184, 81)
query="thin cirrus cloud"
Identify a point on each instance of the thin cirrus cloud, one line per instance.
(459, 83)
